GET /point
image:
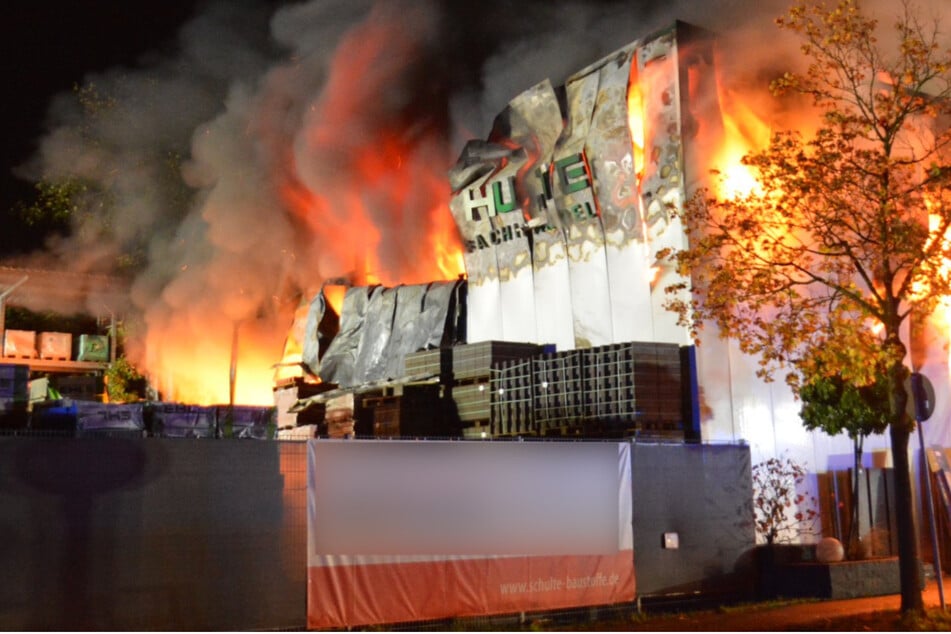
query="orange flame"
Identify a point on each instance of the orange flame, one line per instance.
(635, 124)
(743, 132)
(194, 366)
(334, 293)
(941, 318)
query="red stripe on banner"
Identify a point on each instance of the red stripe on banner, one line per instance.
(348, 595)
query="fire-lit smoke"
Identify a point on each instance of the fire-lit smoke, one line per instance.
(272, 151)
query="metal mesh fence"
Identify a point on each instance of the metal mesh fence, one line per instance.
(112, 531)
(239, 479)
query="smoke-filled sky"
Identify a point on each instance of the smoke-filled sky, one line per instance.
(175, 67)
(238, 153)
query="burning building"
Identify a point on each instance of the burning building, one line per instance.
(562, 210)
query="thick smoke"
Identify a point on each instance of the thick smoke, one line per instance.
(271, 150)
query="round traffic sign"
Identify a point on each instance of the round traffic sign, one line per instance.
(920, 396)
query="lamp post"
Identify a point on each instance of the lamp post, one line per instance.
(922, 393)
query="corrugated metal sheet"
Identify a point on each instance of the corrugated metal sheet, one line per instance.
(578, 217)
(662, 183)
(469, 206)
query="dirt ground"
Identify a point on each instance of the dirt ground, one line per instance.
(866, 614)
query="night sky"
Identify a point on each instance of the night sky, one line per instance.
(47, 47)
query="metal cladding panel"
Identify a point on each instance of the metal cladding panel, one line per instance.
(338, 362)
(409, 331)
(662, 182)
(578, 218)
(632, 312)
(614, 166)
(437, 313)
(596, 200)
(526, 121)
(516, 289)
(371, 362)
(469, 204)
(552, 281)
(484, 314)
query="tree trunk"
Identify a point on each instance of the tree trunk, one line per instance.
(908, 562)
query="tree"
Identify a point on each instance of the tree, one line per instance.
(776, 484)
(818, 269)
(833, 405)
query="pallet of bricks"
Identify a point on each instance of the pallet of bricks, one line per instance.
(307, 423)
(653, 377)
(479, 371)
(512, 398)
(412, 410)
(608, 392)
(617, 390)
(558, 395)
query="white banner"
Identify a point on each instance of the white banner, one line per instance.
(402, 530)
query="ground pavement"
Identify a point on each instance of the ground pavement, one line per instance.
(805, 616)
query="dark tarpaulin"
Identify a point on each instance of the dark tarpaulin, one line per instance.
(321, 326)
(337, 364)
(378, 325)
